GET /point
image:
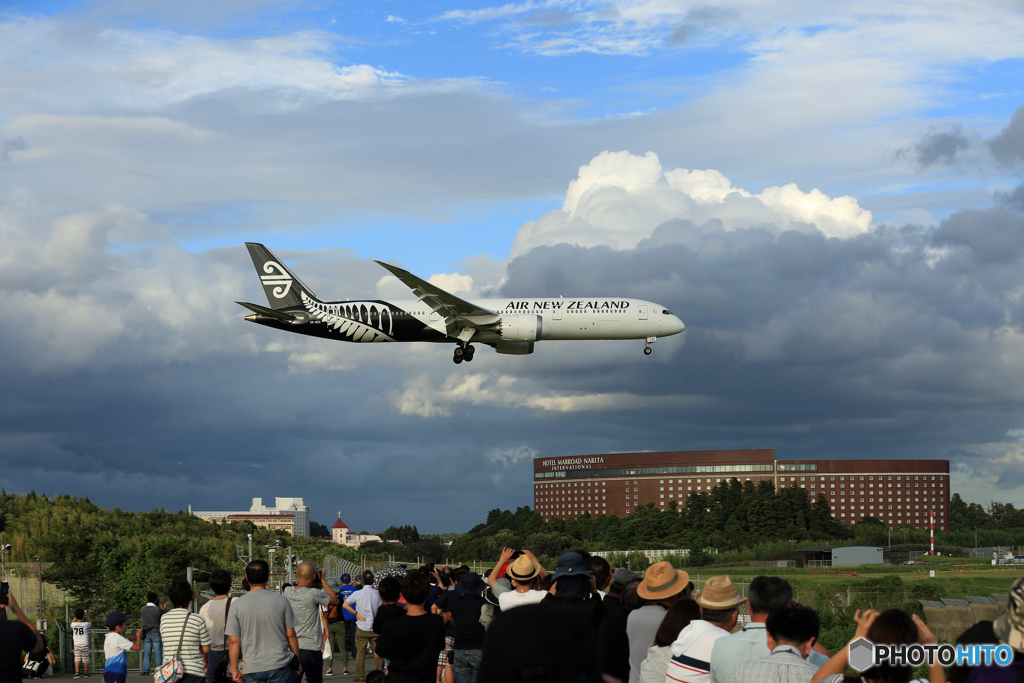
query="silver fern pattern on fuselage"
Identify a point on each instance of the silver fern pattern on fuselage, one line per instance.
(353, 321)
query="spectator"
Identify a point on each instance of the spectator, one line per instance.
(543, 643)
(347, 589)
(390, 591)
(619, 579)
(80, 626)
(412, 642)
(464, 603)
(602, 573)
(16, 635)
(261, 631)
(613, 643)
(185, 633)
(435, 589)
(791, 631)
(444, 660)
(498, 579)
(150, 614)
(678, 617)
(307, 598)
(766, 594)
(524, 574)
(891, 627)
(37, 663)
(336, 629)
(364, 604)
(662, 587)
(215, 613)
(573, 586)
(691, 651)
(116, 647)
(1008, 628)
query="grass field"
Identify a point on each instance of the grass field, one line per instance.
(983, 581)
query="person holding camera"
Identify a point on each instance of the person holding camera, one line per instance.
(80, 626)
(16, 635)
(152, 645)
(307, 597)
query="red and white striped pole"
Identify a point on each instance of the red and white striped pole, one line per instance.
(932, 519)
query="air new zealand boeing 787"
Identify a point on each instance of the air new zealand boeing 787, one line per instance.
(511, 325)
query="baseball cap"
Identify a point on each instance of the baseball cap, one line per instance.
(115, 618)
(346, 577)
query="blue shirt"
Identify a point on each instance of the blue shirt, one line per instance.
(347, 590)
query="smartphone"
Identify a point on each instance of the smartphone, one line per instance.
(5, 588)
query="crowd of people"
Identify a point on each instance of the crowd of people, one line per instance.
(517, 623)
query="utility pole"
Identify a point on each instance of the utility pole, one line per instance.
(39, 614)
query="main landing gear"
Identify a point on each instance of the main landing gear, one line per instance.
(463, 352)
(647, 345)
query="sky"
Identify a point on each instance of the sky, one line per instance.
(830, 198)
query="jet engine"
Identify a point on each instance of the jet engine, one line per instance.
(514, 348)
(520, 327)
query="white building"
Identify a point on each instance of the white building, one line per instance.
(282, 506)
(341, 535)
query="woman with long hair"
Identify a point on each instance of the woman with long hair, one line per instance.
(678, 617)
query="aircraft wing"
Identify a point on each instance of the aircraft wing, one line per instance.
(458, 313)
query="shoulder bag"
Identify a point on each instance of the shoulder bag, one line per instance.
(174, 669)
(222, 673)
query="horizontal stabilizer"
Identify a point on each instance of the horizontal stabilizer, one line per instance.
(268, 312)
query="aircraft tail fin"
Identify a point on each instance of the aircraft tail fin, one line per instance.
(282, 287)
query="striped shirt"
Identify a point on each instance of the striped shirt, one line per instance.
(196, 635)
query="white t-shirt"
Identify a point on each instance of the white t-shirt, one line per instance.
(513, 599)
(115, 643)
(80, 633)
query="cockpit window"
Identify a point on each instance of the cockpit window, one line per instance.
(666, 311)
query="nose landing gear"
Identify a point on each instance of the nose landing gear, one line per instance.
(647, 345)
(463, 352)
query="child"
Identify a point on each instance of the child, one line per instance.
(116, 647)
(80, 639)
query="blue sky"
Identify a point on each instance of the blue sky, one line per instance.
(570, 145)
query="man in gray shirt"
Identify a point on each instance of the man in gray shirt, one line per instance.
(306, 600)
(261, 631)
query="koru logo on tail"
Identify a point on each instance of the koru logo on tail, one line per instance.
(277, 275)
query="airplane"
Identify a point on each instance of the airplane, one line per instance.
(511, 325)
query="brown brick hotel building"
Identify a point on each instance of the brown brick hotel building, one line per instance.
(898, 492)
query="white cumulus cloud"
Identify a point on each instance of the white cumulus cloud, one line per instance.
(619, 198)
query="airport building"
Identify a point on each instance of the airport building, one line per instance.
(290, 514)
(901, 493)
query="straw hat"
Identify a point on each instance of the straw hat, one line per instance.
(719, 593)
(523, 569)
(662, 581)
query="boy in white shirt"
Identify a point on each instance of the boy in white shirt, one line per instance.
(116, 647)
(80, 640)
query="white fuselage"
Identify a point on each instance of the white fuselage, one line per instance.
(570, 318)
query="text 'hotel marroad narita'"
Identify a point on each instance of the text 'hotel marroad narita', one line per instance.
(900, 493)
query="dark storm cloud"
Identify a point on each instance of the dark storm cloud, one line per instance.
(992, 235)
(937, 147)
(1008, 146)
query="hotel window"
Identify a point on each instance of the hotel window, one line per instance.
(662, 488)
